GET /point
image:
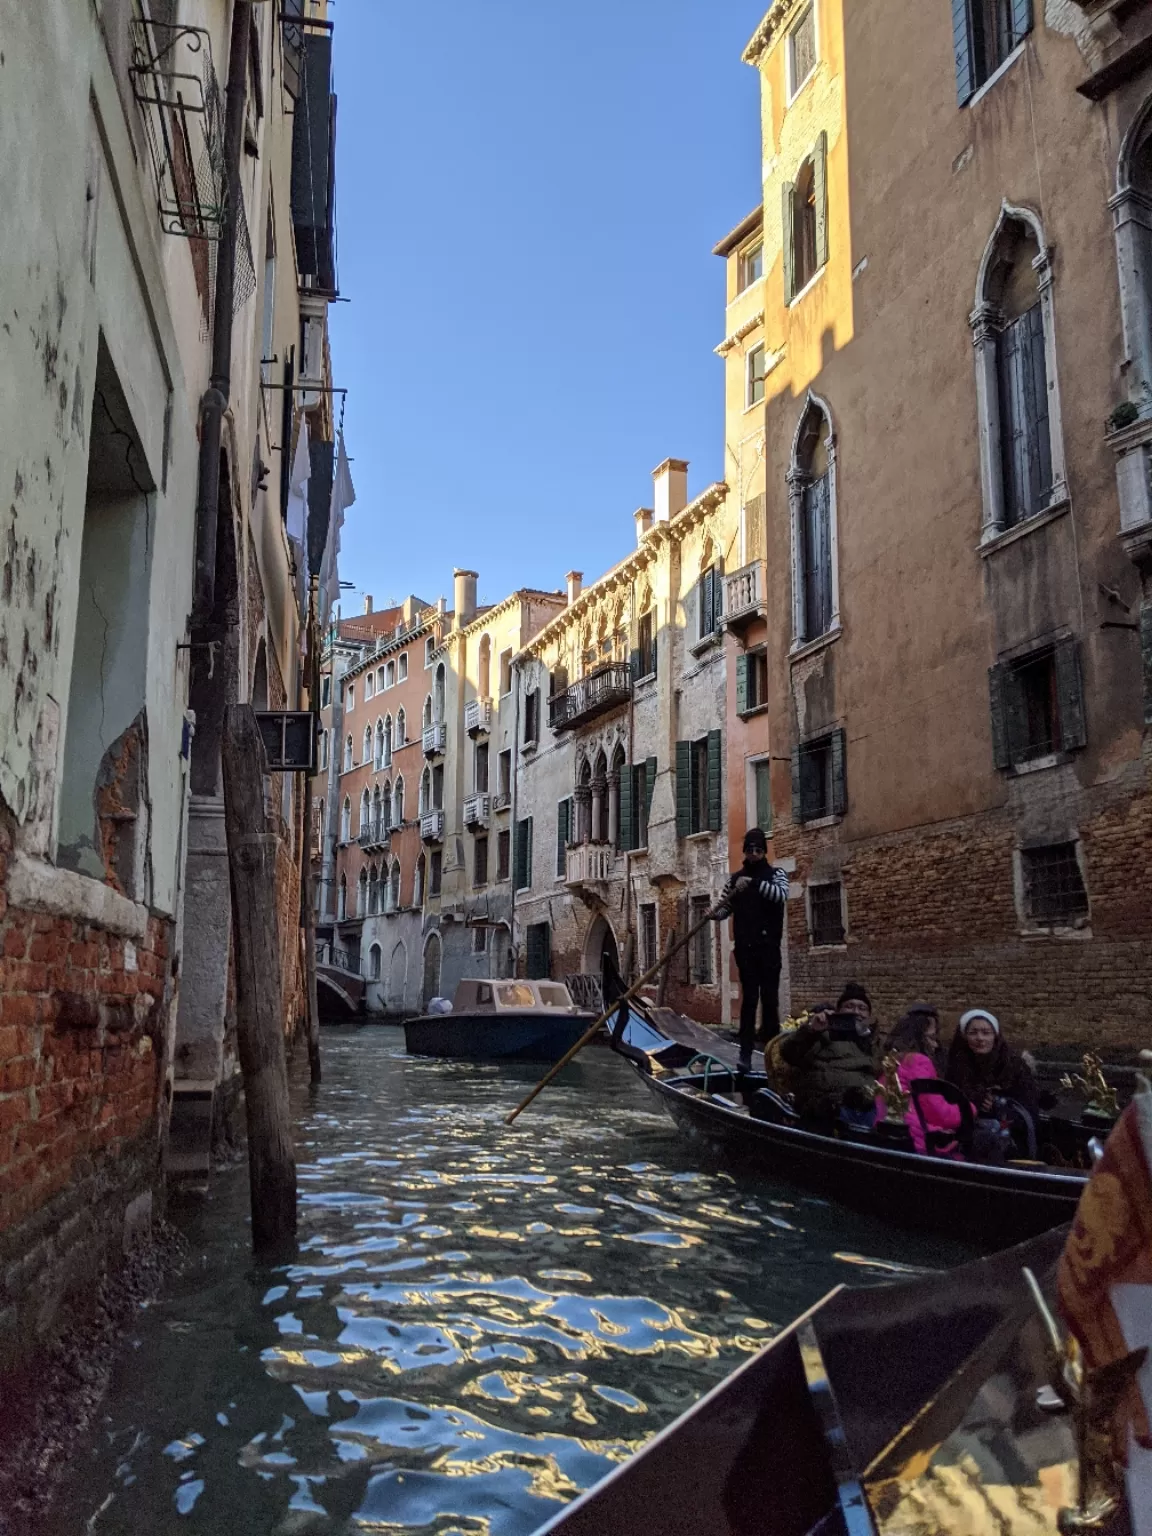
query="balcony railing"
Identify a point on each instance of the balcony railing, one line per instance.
(435, 737)
(432, 826)
(478, 717)
(601, 690)
(744, 595)
(589, 863)
(502, 801)
(476, 810)
(375, 834)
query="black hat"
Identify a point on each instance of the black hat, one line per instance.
(754, 838)
(929, 1009)
(853, 992)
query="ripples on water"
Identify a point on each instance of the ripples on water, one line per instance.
(481, 1320)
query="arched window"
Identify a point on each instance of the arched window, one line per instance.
(600, 800)
(812, 498)
(401, 729)
(394, 887)
(379, 757)
(418, 887)
(367, 757)
(431, 980)
(374, 959)
(398, 803)
(615, 776)
(362, 894)
(373, 890)
(342, 900)
(425, 792)
(584, 802)
(390, 674)
(438, 696)
(1021, 445)
(386, 804)
(379, 825)
(348, 759)
(1130, 209)
(805, 222)
(365, 813)
(369, 685)
(427, 711)
(324, 738)
(484, 669)
(346, 821)
(387, 741)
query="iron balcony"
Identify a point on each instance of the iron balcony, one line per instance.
(599, 691)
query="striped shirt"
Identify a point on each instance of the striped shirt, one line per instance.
(774, 888)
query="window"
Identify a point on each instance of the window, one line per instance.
(698, 787)
(350, 699)
(505, 672)
(484, 667)
(565, 833)
(753, 526)
(703, 945)
(390, 675)
(348, 755)
(750, 266)
(438, 787)
(1037, 704)
(346, 821)
(479, 947)
(637, 786)
(1054, 892)
(342, 900)
(984, 33)
(503, 854)
(819, 782)
(362, 894)
(760, 794)
(826, 914)
(435, 872)
(538, 951)
(480, 861)
(427, 712)
(523, 877)
(394, 888)
(709, 602)
(429, 648)
(438, 694)
(401, 729)
(402, 668)
(367, 753)
(805, 222)
(324, 738)
(365, 813)
(374, 956)
(387, 760)
(756, 371)
(504, 775)
(418, 885)
(801, 51)
(325, 691)
(812, 501)
(751, 681)
(644, 656)
(532, 716)
(373, 891)
(480, 768)
(369, 685)
(398, 804)
(648, 951)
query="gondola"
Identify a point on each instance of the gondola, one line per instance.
(500, 1021)
(911, 1407)
(737, 1116)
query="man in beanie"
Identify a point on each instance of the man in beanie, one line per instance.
(755, 898)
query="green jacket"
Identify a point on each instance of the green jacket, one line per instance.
(826, 1068)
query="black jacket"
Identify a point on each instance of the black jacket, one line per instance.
(757, 913)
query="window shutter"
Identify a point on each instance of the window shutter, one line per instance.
(563, 826)
(999, 684)
(715, 792)
(523, 853)
(820, 197)
(1070, 693)
(627, 814)
(839, 774)
(797, 786)
(1146, 657)
(704, 604)
(539, 952)
(787, 193)
(763, 797)
(1021, 20)
(962, 49)
(650, 787)
(683, 788)
(743, 663)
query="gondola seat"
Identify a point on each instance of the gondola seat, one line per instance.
(766, 1104)
(938, 1142)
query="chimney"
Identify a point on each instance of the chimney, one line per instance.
(367, 602)
(441, 606)
(575, 580)
(465, 594)
(643, 521)
(671, 482)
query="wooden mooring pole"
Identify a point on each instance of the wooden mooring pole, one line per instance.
(259, 1024)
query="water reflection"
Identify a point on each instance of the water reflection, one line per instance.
(480, 1321)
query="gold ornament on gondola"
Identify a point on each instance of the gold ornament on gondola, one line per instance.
(1101, 1095)
(795, 1022)
(897, 1102)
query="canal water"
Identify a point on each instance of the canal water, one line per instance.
(480, 1322)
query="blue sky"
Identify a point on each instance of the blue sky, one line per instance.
(528, 194)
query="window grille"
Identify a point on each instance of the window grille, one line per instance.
(648, 935)
(703, 945)
(826, 914)
(1054, 891)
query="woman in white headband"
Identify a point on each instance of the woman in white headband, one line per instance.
(986, 1067)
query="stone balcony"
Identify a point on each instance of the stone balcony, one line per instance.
(744, 595)
(589, 863)
(374, 835)
(478, 717)
(476, 810)
(434, 739)
(432, 827)
(592, 695)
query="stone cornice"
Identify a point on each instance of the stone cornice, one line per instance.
(739, 334)
(521, 595)
(390, 647)
(775, 22)
(639, 560)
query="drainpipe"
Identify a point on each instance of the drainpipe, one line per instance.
(515, 781)
(215, 400)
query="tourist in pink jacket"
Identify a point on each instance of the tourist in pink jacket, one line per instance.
(912, 1042)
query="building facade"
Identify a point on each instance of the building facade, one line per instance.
(940, 332)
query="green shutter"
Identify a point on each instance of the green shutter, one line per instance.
(563, 831)
(627, 814)
(1021, 20)
(523, 854)
(787, 193)
(999, 682)
(797, 786)
(742, 670)
(1070, 694)
(683, 788)
(763, 781)
(715, 790)
(839, 774)
(1146, 657)
(650, 776)
(820, 197)
(962, 50)
(539, 952)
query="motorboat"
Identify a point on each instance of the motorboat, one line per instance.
(514, 1020)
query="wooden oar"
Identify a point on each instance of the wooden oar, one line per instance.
(594, 1029)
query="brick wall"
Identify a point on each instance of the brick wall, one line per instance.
(83, 1026)
(932, 914)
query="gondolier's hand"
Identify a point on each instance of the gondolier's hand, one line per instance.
(742, 884)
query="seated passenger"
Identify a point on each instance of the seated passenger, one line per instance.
(831, 1057)
(994, 1076)
(913, 1042)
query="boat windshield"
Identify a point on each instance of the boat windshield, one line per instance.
(515, 995)
(554, 996)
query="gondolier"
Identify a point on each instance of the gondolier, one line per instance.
(756, 899)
